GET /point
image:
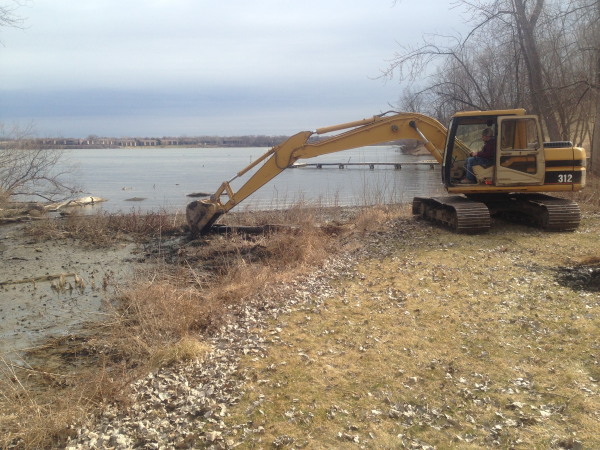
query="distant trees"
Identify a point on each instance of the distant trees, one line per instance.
(543, 55)
(230, 141)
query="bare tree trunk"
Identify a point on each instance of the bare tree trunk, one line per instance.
(595, 147)
(595, 151)
(541, 102)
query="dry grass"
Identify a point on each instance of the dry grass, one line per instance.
(38, 405)
(104, 229)
(158, 320)
(377, 218)
(187, 349)
(469, 338)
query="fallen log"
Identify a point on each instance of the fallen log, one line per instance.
(79, 202)
(7, 220)
(43, 278)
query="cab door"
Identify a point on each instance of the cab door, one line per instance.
(519, 152)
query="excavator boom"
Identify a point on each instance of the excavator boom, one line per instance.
(202, 214)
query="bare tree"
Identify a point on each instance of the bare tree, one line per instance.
(540, 55)
(9, 16)
(596, 136)
(29, 171)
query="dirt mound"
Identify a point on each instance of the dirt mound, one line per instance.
(585, 278)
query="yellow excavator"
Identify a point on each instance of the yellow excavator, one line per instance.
(523, 168)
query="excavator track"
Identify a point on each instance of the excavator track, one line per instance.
(544, 211)
(461, 214)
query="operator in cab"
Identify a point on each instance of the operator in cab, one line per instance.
(485, 157)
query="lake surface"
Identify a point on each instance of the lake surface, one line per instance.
(164, 176)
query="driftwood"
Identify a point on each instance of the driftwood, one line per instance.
(79, 202)
(44, 278)
(7, 220)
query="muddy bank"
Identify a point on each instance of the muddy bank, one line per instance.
(32, 312)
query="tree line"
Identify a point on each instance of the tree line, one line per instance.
(541, 55)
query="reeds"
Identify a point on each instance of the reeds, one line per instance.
(104, 229)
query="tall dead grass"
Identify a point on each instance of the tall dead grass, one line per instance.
(105, 228)
(167, 303)
(376, 217)
(160, 318)
(38, 408)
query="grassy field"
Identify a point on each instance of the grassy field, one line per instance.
(438, 340)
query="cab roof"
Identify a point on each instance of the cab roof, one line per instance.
(499, 112)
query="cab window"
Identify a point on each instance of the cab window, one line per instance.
(470, 135)
(519, 134)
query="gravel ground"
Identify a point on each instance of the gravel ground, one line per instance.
(188, 405)
(183, 406)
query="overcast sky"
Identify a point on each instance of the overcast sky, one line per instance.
(216, 67)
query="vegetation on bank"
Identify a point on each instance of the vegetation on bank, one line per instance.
(158, 319)
(438, 340)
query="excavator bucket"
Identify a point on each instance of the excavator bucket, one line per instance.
(201, 214)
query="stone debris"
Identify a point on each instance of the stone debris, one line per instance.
(282, 441)
(349, 437)
(184, 405)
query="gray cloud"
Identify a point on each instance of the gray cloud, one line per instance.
(201, 58)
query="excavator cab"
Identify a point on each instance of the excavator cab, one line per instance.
(519, 157)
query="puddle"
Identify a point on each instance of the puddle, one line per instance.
(30, 313)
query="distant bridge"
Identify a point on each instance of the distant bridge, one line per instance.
(397, 165)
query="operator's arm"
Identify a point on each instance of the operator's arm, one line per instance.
(488, 151)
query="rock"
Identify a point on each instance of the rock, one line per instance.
(570, 444)
(212, 436)
(349, 437)
(282, 441)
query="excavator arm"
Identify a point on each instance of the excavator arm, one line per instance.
(202, 214)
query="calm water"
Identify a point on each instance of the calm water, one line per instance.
(164, 176)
